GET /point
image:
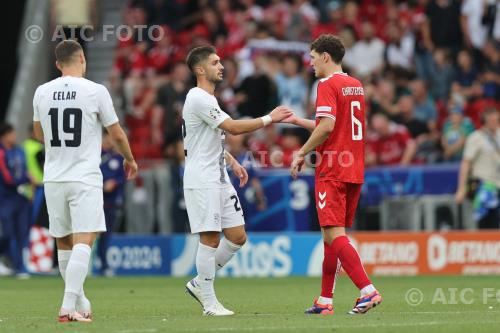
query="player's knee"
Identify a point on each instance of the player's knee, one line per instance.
(213, 243)
(239, 240)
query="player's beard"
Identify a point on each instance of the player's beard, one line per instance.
(216, 78)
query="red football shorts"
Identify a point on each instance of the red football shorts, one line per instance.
(336, 203)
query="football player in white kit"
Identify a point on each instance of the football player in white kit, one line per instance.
(69, 113)
(211, 201)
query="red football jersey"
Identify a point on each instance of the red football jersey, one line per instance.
(342, 156)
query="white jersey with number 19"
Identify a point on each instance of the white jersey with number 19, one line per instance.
(72, 111)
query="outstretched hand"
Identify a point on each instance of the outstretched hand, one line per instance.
(291, 119)
(279, 113)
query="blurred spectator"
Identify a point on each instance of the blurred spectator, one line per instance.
(163, 56)
(331, 18)
(441, 27)
(384, 99)
(481, 162)
(113, 181)
(406, 116)
(348, 37)
(15, 207)
(144, 123)
(226, 90)
(465, 82)
(351, 18)
(170, 99)
(114, 84)
(491, 18)
(257, 93)
(388, 143)
(292, 88)
(456, 129)
(425, 110)
(368, 52)
(304, 17)
(442, 74)
(214, 26)
(474, 31)
(399, 50)
(491, 75)
(254, 12)
(35, 158)
(427, 148)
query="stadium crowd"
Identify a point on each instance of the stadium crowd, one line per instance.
(429, 68)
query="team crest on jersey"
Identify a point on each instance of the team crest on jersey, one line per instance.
(214, 113)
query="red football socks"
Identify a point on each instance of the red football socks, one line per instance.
(351, 262)
(330, 262)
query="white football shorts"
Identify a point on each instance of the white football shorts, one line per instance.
(213, 209)
(74, 207)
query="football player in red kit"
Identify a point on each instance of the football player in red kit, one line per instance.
(338, 137)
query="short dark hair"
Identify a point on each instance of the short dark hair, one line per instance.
(198, 54)
(330, 44)
(66, 49)
(5, 128)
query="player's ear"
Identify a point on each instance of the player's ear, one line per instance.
(82, 58)
(324, 55)
(58, 65)
(199, 70)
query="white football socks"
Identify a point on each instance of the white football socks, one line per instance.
(225, 252)
(75, 274)
(205, 265)
(63, 259)
(367, 290)
(325, 300)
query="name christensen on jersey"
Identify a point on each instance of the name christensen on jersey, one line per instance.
(72, 112)
(203, 141)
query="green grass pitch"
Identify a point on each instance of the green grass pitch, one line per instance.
(148, 305)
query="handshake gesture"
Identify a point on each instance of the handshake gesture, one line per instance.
(284, 114)
(281, 113)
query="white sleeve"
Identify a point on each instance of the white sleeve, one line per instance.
(465, 9)
(36, 98)
(107, 113)
(210, 113)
